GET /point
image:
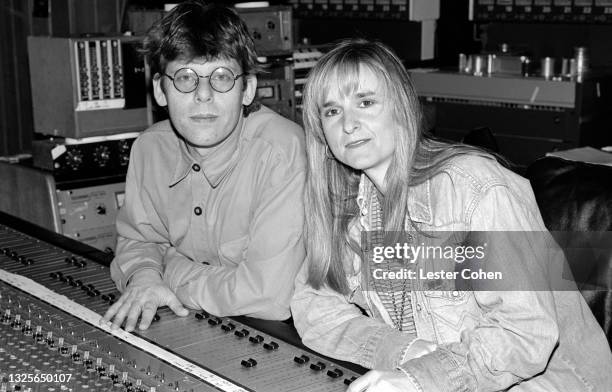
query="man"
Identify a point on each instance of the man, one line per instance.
(213, 213)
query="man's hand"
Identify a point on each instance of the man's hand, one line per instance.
(144, 294)
(382, 381)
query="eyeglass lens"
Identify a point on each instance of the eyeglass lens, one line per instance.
(221, 80)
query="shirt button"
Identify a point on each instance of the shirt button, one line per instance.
(455, 293)
(418, 307)
(197, 211)
(196, 167)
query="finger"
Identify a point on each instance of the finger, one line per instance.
(132, 317)
(112, 310)
(148, 311)
(120, 315)
(177, 307)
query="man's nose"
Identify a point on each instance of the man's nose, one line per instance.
(204, 91)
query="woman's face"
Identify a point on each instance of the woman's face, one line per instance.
(359, 126)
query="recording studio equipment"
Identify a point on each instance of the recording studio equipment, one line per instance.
(275, 87)
(415, 10)
(560, 11)
(64, 18)
(304, 58)
(271, 29)
(528, 115)
(81, 209)
(52, 294)
(408, 26)
(80, 159)
(85, 87)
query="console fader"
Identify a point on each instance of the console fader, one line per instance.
(54, 334)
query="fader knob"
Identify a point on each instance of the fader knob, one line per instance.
(74, 354)
(38, 335)
(49, 340)
(214, 321)
(6, 319)
(200, 316)
(302, 359)
(248, 362)
(16, 324)
(256, 339)
(27, 329)
(317, 366)
(270, 346)
(348, 381)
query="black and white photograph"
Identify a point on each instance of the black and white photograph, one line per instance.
(306, 196)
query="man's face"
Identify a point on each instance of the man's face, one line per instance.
(204, 117)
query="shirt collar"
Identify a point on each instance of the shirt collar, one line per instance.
(419, 199)
(215, 166)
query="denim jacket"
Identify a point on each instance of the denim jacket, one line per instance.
(528, 340)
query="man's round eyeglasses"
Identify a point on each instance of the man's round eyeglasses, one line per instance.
(186, 80)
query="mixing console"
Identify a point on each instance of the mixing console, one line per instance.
(50, 338)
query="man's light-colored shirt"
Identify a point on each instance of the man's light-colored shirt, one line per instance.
(224, 231)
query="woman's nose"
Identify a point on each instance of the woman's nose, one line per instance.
(350, 123)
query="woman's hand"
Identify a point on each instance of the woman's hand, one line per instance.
(383, 381)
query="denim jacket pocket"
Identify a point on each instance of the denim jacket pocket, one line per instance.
(440, 298)
(452, 312)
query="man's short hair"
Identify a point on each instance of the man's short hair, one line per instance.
(194, 29)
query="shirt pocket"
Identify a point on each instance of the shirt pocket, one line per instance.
(234, 251)
(452, 312)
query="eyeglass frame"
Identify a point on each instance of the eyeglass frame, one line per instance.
(197, 84)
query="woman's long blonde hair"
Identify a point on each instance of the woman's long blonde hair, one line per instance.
(331, 186)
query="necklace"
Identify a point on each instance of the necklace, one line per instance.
(395, 301)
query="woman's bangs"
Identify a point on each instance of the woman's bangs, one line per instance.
(342, 78)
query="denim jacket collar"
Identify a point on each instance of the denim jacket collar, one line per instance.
(419, 201)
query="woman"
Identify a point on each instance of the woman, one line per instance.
(372, 168)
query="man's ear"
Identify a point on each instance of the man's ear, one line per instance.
(158, 91)
(250, 89)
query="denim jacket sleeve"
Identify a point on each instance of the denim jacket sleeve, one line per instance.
(517, 330)
(329, 324)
